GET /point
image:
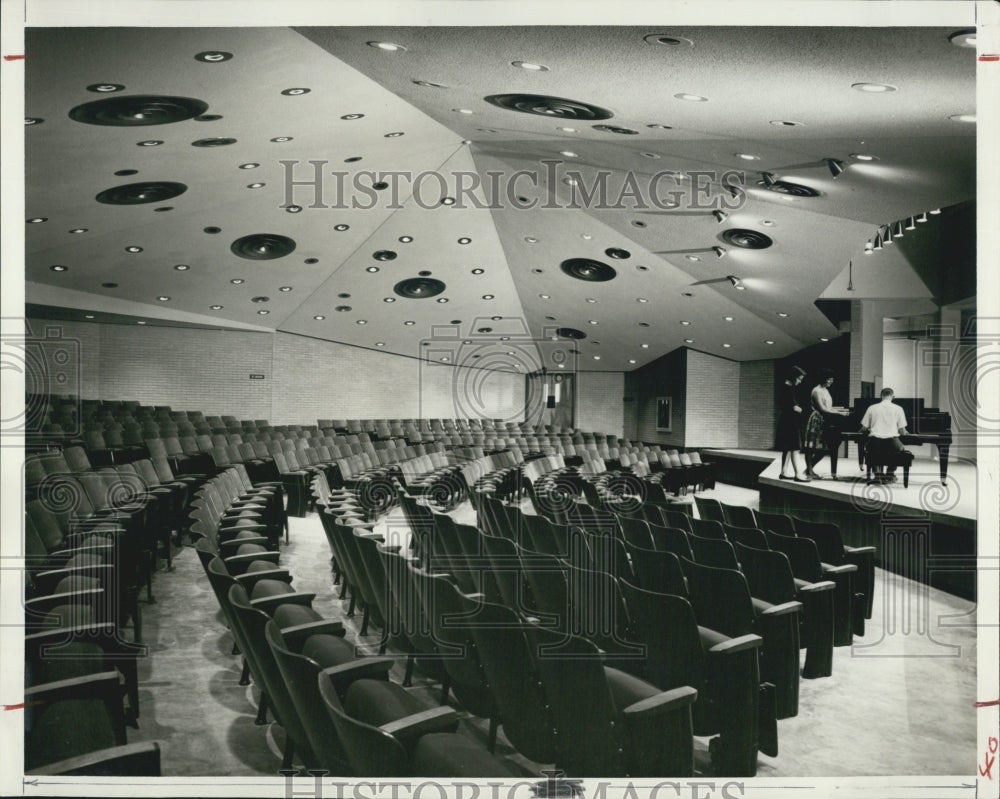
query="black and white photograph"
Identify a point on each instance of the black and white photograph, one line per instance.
(500, 400)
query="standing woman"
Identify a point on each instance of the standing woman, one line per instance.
(788, 438)
(821, 428)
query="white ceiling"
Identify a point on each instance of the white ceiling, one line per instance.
(750, 77)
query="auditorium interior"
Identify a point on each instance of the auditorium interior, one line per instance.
(401, 402)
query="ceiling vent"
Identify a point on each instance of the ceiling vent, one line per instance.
(138, 109)
(545, 106)
(589, 270)
(419, 288)
(786, 187)
(139, 193)
(747, 239)
(262, 246)
(570, 332)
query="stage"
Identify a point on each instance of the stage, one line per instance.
(926, 532)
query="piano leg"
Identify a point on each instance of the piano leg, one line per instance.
(943, 450)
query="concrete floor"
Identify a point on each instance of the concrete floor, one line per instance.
(899, 701)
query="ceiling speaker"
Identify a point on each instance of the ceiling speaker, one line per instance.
(418, 288)
(588, 269)
(545, 106)
(139, 193)
(262, 246)
(137, 110)
(747, 239)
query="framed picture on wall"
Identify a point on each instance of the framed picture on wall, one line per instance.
(664, 414)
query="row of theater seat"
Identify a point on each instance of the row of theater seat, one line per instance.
(340, 711)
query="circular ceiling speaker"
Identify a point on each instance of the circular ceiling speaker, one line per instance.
(545, 106)
(570, 332)
(617, 253)
(383, 255)
(748, 239)
(213, 142)
(138, 109)
(588, 269)
(419, 288)
(615, 129)
(262, 246)
(139, 193)
(793, 189)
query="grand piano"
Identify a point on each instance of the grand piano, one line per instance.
(923, 425)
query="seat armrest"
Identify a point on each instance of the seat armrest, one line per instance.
(88, 686)
(250, 557)
(43, 604)
(53, 636)
(847, 567)
(733, 645)
(815, 588)
(137, 759)
(235, 543)
(322, 627)
(662, 703)
(249, 579)
(783, 609)
(363, 667)
(859, 550)
(269, 603)
(408, 728)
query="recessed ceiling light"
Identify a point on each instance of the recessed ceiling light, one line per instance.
(463, 110)
(767, 222)
(444, 359)
(477, 271)
(591, 299)
(409, 324)
(264, 312)
(727, 346)
(442, 299)
(873, 88)
(372, 269)
(37, 220)
(689, 341)
(568, 153)
(823, 338)
(163, 298)
(429, 84)
(150, 143)
(140, 322)
(658, 126)
(88, 316)
(597, 357)
(447, 201)
(362, 322)
(691, 98)
(284, 288)
(644, 346)
(963, 118)
(864, 157)
(215, 307)
(394, 135)
(782, 314)
(530, 66)
(569, 181)
(769, 341)
(567, 130)
(59, 268)
(685, 322)
(784, 123)
(586, 236)
(78, 230)
(319, 318)
(388, 47)
(279, 139)
(465, 240)
(379, 343)
(249, 166)
(964, 38)
(388, 299)
(531, 240)
(133, 248)
(237, 281)
(33, 120)
(255, 185)
(544, 296)
(692, 257)
(181, 267)
(487, 296)
(641, 299)
(748, 156)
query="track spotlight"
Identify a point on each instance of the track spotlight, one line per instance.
(910, 224)
(936, 211)
(878, 241)
(737, 283)
(720, 216)
(898, 231)
(887, 236)
(720, 251)
(868, 247)
(836, 167)
(768, 178)
(922, 218)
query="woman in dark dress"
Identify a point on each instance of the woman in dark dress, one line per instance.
(788, 437)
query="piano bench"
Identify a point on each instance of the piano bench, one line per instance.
(875, 460)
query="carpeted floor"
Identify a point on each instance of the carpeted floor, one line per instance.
(899, 701)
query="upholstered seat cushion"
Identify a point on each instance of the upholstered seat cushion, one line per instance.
(66, 729)
(328, 650)
(289, 615)
(377, 702)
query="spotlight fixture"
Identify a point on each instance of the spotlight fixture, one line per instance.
(737, 283)
(836, 166)
(768, 178)
(720, 215)
(922, 218)
(878, 241)
(868, 247)
(720, 251)
(898, 230)
(910, 224)
(887, 236)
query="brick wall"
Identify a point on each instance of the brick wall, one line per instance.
(713, 401)
(756, 408)
(599, 402)
(304, 379)
(80, 373)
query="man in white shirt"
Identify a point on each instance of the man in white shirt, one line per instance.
(884, 423)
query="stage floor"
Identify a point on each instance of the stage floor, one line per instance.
(955, 503)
